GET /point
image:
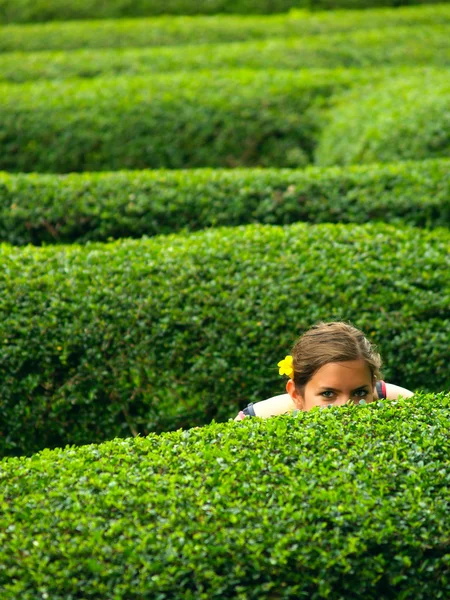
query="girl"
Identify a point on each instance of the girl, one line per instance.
(331, 363)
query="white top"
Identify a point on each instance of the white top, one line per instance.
(276, 405)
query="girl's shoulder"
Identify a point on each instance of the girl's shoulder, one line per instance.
(394, 391)
(277, 405)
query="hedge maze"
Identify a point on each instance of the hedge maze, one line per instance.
(184, 189)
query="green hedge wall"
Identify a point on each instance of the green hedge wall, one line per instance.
(217, 119)
(100, 341)
(26, 11)
(405, 118)
(172, 30)
(40, 209)
(48, 10)
(383, 47)
(353, 4)
(348, 502)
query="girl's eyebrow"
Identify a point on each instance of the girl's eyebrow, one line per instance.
(336, 390)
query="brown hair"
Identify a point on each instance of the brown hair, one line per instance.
(337, 341)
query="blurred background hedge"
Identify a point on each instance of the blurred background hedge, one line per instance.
(174, 31)
(426, 45)
(407, 117)
(218, 119)
(81, 207)
(235, 118)
(46, 10)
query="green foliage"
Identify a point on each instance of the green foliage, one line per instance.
(347, 502)
(404, 118)
(382, 47)
(352, 4)
(173, 30)
(81, 207)
(24, 11)
(48, 10)
(137, 336)
(106, 341)
(217, 119)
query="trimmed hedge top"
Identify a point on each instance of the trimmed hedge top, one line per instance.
(379, 47)
(106, 339)
(30, 10)
(82, 207)
(405, 118)
(345, 502)
(217, 118)
(173, 31)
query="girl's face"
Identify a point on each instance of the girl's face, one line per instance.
(336, 384)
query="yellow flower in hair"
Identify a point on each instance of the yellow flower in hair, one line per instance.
(287, 366)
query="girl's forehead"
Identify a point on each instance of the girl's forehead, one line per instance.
(353, 373)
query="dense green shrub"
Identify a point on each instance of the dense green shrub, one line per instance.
(405, 118)
(136, 336)
(347, 502)
(382, 47)
(352, 4)
(217, 119)
(80, 207)
(29, 10)
(26, 11)
(172, 30)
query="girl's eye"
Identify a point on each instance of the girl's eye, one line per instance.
(359, 392)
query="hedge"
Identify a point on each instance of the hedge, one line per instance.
(28, 11)
(80, 207)
(382, 47)
(358, 4)
(172, 30)
(218, 119)
(405, 118)
(104, 340)
(348, 502)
